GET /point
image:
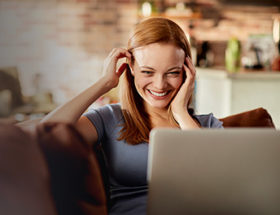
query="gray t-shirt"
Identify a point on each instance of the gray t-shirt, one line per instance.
(127, 164)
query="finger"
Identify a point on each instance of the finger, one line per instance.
(190, 80)
(121, 53)
(128, 55)
(121, 69)
(190, 65)
(112, 52)
(188, 72)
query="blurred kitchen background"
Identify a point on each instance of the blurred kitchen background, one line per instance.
(50, 50)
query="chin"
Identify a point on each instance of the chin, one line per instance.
(159, 105)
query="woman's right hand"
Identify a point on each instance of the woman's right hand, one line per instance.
(110, 73)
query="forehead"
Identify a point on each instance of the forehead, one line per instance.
(159, 55)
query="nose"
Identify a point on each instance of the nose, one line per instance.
(159, 82)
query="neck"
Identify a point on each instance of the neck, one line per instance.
(159, 117)
(156, 112)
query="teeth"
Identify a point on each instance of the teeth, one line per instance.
(158, 94)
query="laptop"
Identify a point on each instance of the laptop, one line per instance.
(214, 171)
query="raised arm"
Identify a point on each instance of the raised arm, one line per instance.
(179, 103)
(71, 111)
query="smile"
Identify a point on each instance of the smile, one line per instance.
(159, 94)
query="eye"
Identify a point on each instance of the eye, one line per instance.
(147, 72)
(174, 74)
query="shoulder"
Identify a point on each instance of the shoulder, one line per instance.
(108, 112)
(110, 109)
(106, 119)
(208, 121)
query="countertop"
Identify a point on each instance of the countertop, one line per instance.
(218, 72)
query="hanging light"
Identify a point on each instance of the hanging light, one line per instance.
(146, 9)
(276, 30)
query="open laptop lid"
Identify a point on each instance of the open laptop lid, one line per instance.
(230, 171)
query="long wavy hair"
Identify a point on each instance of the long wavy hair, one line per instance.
(137, 126)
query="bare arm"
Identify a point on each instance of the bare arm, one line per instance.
(71, 111)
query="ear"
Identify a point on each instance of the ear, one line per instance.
(131, 67)
(132, 71)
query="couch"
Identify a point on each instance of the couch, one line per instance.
(50, 169)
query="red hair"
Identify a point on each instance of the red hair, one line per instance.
(137, 126)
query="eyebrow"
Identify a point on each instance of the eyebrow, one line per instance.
(151, 68)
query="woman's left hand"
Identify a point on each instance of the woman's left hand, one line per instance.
(181, 100)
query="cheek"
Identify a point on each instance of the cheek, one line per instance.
(176, 82)
(140, 81)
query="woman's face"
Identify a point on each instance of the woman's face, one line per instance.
(158, 73)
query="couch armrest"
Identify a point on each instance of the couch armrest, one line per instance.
(24, 175)
(76, 181)
(253, 118)
(29, 125)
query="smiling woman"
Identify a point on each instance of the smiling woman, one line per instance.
(158, 67)
(156, 89)
(158, 73)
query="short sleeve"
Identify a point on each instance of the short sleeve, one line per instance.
(105, 119)
(209, 121)
(95, 117)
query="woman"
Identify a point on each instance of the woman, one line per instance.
(157, 86)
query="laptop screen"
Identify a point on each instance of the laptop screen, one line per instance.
(213, 171)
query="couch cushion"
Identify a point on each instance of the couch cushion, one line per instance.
(24, 176)
(76, 181)
(254, 118)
